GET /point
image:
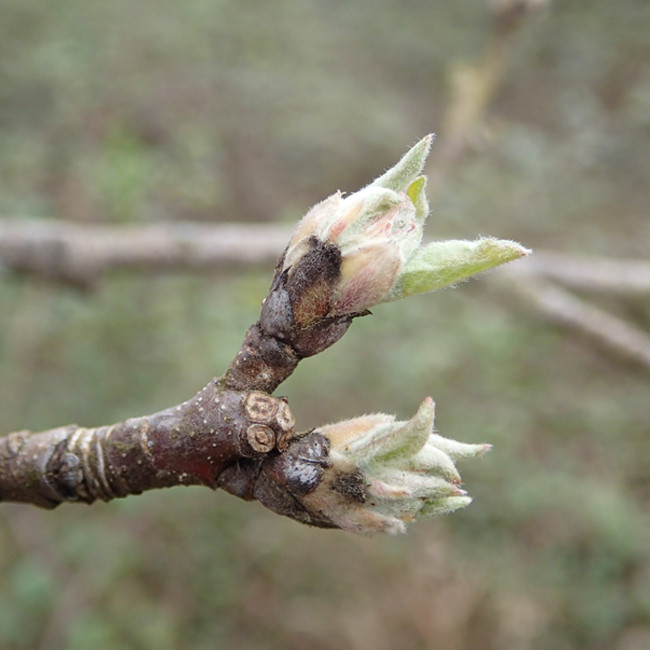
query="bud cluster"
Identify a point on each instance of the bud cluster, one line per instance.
(348, 253)
(383, 474)
(352, 252)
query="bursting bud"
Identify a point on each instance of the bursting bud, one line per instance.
(351, 252)
(383, 474)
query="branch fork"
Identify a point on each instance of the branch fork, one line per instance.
(367, 475)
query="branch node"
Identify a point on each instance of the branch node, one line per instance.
(260, 437)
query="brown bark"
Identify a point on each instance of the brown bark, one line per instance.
(232, 434)
(188, 444)
(262, 363)
(241, 441)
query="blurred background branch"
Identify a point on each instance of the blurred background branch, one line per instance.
(564, 309)
(473, 86)
(80, 255)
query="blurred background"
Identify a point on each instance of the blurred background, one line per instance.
(220, 111)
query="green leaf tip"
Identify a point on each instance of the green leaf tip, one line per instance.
(407, 438)
(446, 262)
(416, 191)
(438, 507)
(409, 167)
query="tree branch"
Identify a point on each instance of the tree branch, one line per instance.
(232, 434)
(592, 273)
(568, 310)
(368, 474)
(189, 444)
(80, 254)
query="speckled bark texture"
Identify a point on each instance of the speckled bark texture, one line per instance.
(231, 435)
(188, 444)
(218, 438)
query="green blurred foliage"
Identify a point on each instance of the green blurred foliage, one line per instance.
(224, 111)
